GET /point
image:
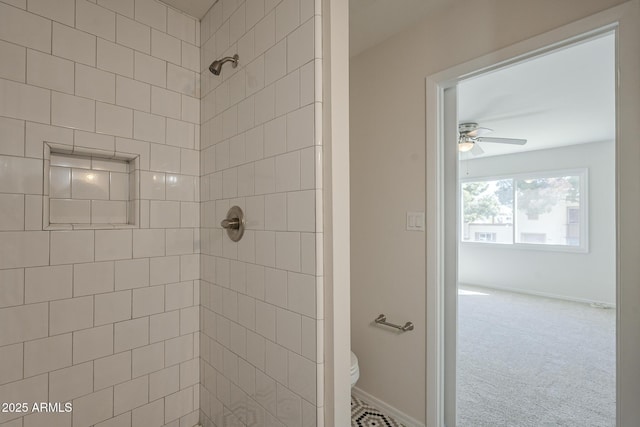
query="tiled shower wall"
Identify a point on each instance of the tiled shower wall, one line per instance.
(261, 318)
(104, 318)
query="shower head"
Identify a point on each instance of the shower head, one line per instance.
(216, 66)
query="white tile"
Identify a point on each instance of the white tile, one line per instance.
(265, 104)
(180, 134)
(181, 26)
(133, 34)
(20, 175)
(288, 93)
(150, 70)
(246, 180)
(189, 164)
(12, 367)
(93, 408)
(12, 134)
(108, 212)
(123, 7)
(12, 212)
(95, 84)
(266, 391)
(189, 214)
(49, 71)
(237, 24)
(119, 186)
(113, 244)
(69, 161)
(300, 128)
(89, 184)
(178, 404)
(190, 57)
(112, 370)
(151, 13)
(301, 211)
(287, 17)
(301, 294)
(147, 301)
(179, 295)
(68, 247)
(265, 33)
(254, 144)
(165, 103)
(114, 120)
(92, 343)
(115, 58)
(147, 359)
(12, 289)
(25, 29)
(288, 251)
(164, 326)
(164, 214)
(75, 45)
(275, 137)
(33, 212)
(300, 46)
(165, 159)
(275, 62)
(265, 176)
(133, 273)
(24, 249)
(307, 168)
(287, 175)
(93, 278)
(133, 94)
(47, 283)
(190, 109)
(152, 185)
(178, 350)
(255, 11)
(131, 334)
(308, 83)
(69, 383)
(275, 210)
(265, 248)
(165, 47)
(61, 11)
(181, 80)
(308, 244)
(148, 243)
(276, 362)
(62, 211)
(72, 111)
(149, 127)
(69, 315)
(95, 20)
(94, 140)
(112, 307)
(47, 354)
(180, 187)
(309, 333)
(131, 394)
(33, 321)
(289, 406)
(135, 147)
(34, 105)
(163, 383)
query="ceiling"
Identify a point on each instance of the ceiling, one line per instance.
(195, 8)
(563, 98)
(373, 21)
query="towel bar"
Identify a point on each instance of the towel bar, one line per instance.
(382, 320)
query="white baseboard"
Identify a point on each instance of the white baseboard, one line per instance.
(399, 416)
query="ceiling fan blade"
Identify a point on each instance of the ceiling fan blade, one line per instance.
(476, 150)
(514, 141)
(479, 132)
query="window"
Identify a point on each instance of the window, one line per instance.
(534, 209)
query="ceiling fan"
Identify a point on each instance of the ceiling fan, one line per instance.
(471, 133)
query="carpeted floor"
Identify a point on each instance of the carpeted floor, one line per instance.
(526, 361)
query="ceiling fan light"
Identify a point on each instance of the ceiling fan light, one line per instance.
(465, 144)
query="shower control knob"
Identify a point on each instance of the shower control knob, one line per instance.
(234, 223)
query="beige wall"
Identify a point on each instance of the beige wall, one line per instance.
(388, 175)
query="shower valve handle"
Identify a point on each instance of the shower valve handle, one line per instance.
(233, 223)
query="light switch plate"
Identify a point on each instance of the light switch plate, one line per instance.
(415, 221)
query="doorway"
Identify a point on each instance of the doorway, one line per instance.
(536, 241)
(443, 258)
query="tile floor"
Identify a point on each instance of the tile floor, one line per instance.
(365, 415)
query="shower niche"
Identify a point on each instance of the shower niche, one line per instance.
(87, 188)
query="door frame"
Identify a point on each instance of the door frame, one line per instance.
(441, 263)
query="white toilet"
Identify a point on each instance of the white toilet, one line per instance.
(355, 369)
